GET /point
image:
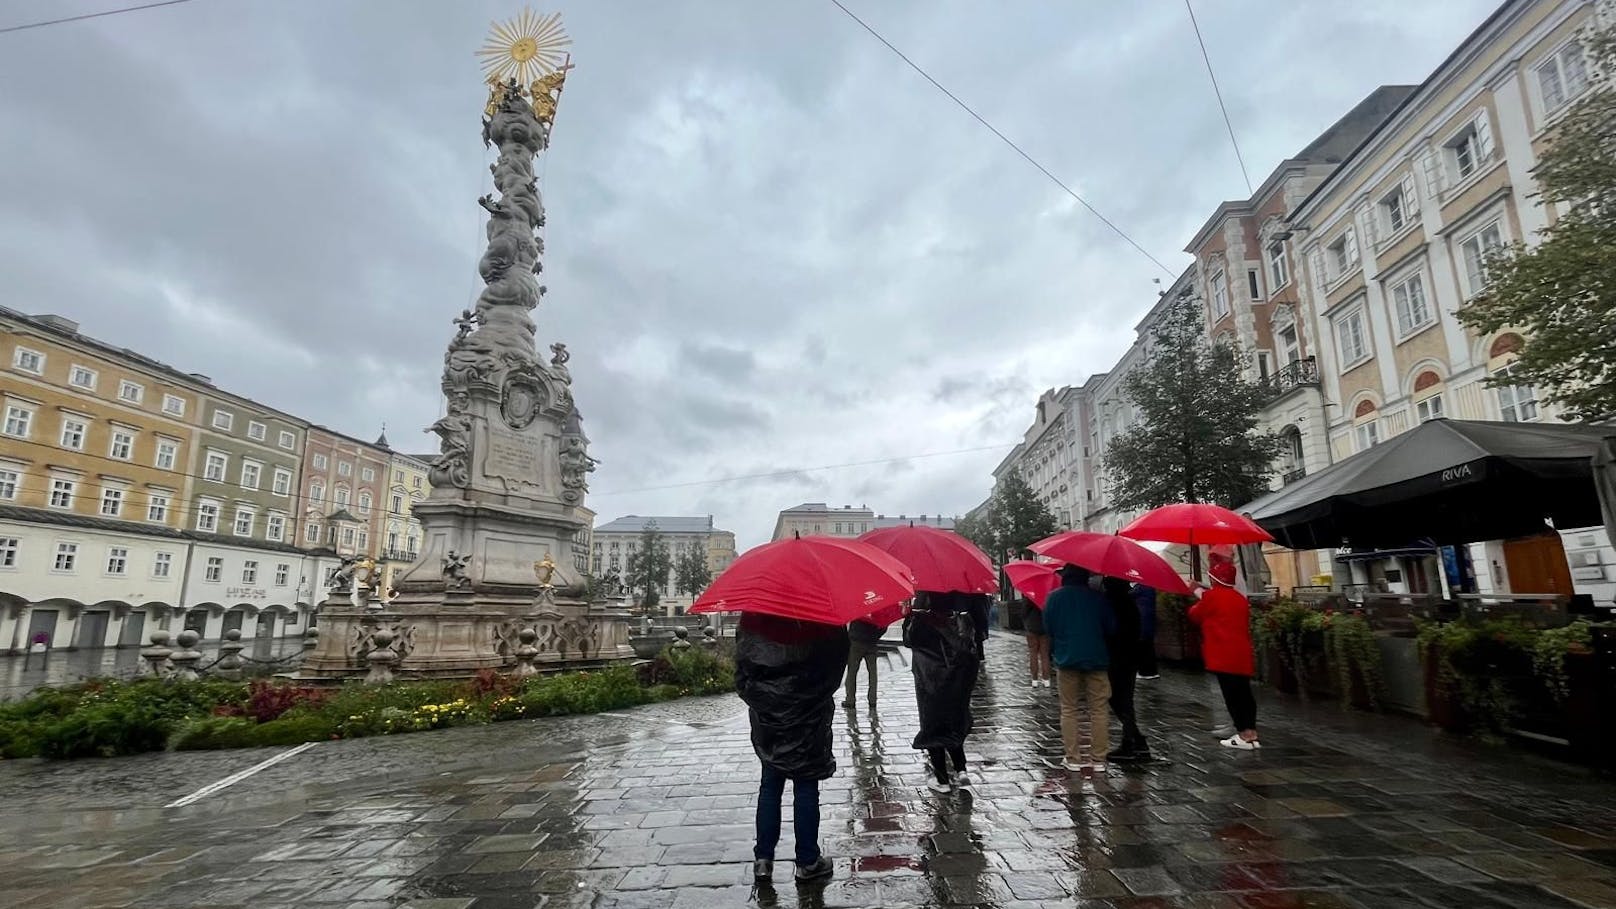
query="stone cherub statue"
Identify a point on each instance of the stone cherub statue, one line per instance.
(343, 577)
(454, 570)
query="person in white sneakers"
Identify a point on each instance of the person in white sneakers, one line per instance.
(1224, 616)
(1032, 621)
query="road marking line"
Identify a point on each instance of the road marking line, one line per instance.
(240, 775)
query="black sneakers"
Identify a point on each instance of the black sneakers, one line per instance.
(762, 870)
(818, 871)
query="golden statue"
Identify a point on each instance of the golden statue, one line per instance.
(545, 569)
(527, 50)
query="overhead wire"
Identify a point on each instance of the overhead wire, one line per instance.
(1219, 93)
(1005, 139)
(773, 474)
(81, 18)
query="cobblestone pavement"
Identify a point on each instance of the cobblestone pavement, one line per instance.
(653, 808)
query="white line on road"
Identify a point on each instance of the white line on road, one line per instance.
(240, 775)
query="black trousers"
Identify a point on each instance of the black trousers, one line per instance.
(1147, 657)
(1238, 698)
(1123, 680)
(940, 758)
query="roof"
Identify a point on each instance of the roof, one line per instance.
(90, 522)
(1407, 101)
(634, 523)
(343, 514)
(1330, 148)
(822, 508)
(935, 520)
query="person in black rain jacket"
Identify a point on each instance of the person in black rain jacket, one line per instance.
(945, 631)
(787, 672)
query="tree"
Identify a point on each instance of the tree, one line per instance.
(1016, 518)
(1561, 293)
(649, 566)
(1199, 439)
(691, 574)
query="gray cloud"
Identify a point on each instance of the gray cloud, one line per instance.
(769, 242)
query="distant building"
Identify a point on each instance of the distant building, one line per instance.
(615, 541)
(135, 496)
(914, 520)
(819, 519)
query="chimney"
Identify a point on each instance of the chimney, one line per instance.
(205, 380)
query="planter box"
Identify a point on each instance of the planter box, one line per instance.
(1404, 675)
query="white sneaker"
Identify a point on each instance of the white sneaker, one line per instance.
(1238, 743)
(1148, 678)
(1047, 683)
(1037, 684)
(1074, 766)
(1097, 766)
(936, 786)
(962, 778)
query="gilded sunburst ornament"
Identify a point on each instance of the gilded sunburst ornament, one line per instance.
(524, 48)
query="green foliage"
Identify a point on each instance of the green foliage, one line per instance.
(691, 574)
(1549, 653)
(1350, 648)
(583, 692)
(1282, 628)
(1476, 664)
(1561, 293)
(1199, 438)
(1014, 519)
(649, 566)
(107, 718)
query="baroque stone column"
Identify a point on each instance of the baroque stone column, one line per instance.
(513, 464)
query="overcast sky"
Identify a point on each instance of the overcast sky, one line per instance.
(771, 245)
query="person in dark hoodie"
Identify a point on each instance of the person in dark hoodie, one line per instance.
(1079, 622)
(945, 632)
(1124, 647)
(1145, 598)
(787, 672)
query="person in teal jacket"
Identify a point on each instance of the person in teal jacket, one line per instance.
(1079, 620)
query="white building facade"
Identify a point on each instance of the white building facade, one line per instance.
(1394, 241)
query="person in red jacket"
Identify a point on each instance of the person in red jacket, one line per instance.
(1224, 616)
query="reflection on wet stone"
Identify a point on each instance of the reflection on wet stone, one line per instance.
(1342, 810)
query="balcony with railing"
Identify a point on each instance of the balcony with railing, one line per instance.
(1295, 375)
(1292, 475)
(398, 555)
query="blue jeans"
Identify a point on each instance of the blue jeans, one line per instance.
(804, 816)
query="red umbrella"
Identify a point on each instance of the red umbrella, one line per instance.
(815, 579)
(1033, 579)
(1195, 524)
(1112, 556)
(886, 615)
(942, 561)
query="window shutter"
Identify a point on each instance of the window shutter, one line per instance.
(1316, 263)
(1352, 245)
(1484, 135)
(1411, 199)
(1433, 173)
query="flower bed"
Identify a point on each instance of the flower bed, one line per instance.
(106, 718)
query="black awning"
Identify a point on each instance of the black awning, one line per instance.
(1450, 481)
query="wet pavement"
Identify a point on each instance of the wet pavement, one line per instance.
(653, 808)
